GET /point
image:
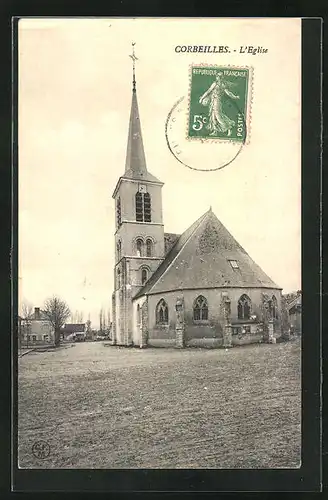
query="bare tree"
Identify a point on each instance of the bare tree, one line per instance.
(104, 326)
(27, 310)
(27, 314)
(88, 328)
(77, 317)
(108, 323)
(57, 312)
(101, 323)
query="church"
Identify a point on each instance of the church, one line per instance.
(196, 289)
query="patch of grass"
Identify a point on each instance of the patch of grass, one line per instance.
(110, 407)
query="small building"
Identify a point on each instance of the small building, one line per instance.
(294, 308)
(36, 330)
(72, 329)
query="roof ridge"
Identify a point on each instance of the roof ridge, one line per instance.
(196, 224)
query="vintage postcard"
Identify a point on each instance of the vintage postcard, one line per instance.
(159, 216)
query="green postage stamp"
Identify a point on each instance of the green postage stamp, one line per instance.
(219, 102)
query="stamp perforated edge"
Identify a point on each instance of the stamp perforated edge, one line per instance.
(249, 105)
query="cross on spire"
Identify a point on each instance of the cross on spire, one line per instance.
(134, 59)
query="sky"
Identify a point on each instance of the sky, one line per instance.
(75, 90)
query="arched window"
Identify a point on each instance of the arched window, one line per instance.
(143, 207)
(147, 207)
(162, 313)
(144, 276)
(244, 307)
(138, 315)
(119, 249)
(274, 307)
(139, 207)
(118, 278)
(139, 245)
(200, 309)
(149, 245)
(118, 211)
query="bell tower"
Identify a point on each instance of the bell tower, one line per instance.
(139, 234)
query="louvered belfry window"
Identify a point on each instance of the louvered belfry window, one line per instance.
(139, 207)
(143, 207)
(147, 208)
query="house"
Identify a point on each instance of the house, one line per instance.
(37, 330)
(73, 329)
(294, 308)
(200, 288)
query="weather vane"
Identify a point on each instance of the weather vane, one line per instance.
(134, 59)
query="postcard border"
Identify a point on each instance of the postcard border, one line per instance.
(308, 477)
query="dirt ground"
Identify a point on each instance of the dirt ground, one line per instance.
(101, 406)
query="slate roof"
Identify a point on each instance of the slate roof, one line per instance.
(169, 240)
(74, 327)
(297, 301)
(41, 316)
(135, 164)
(200, 259)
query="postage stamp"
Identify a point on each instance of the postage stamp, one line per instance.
(219, 103)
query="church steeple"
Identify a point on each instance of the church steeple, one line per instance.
(135, 164)
(139, 228)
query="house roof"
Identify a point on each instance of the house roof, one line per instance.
(74, 327)
(200, 258)
(297, 301)
(39, 316)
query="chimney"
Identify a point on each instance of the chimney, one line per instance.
(37, 313)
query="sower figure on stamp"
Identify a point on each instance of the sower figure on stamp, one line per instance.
(218, 120)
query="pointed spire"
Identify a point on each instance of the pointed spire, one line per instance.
(135, 165)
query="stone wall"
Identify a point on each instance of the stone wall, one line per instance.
(208, 333)
(114, 328)
(128, 262)
(144, 324)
